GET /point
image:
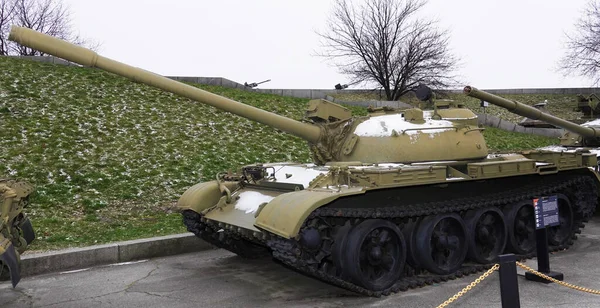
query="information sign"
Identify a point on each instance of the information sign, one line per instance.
(546, 212)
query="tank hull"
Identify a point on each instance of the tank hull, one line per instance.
(310, 229)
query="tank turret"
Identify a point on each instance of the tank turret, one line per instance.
(587, 134)
(333, 136)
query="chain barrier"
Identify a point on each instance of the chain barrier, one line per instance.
(523, 266)
(565, 284)
(469, 287)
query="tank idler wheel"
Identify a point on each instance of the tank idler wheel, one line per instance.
(441, 243)
(560, 235)
(520, 222)
(375, 254)
(487, 234)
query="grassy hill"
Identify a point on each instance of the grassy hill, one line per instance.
(110, 157)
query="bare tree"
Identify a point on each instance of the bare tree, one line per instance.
(582, 57)
(7, 9)
(383, 42)
(46, 16)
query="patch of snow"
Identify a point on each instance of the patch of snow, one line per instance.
(382, 126)
(390, 165)
(75, 271)
(299, 174)
(435, 162)
(128, 263)
(50, 177)
(454, 179)
(592, 123)
(555, 148)
(499, 155)
(471, 118)
(250, 200)
(378, 166)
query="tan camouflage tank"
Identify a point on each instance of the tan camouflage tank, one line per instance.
(391, 201)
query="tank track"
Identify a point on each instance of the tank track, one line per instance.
(582, 188)
(222, 238)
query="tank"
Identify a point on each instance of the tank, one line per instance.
(16, 230)
(588, 105)
(577, 135)
(391, 201)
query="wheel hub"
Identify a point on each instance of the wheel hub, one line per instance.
(375, 254)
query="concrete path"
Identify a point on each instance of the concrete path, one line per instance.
(216, 278)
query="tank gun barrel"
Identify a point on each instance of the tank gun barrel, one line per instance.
(70, 52)
(531, 112)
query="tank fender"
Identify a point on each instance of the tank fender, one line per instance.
(285, 214)
(203, 196)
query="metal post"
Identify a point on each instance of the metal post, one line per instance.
(543, 258)
(509, 286)
(541, 240)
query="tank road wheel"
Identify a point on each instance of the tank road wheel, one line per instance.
(487, 234)
(520, 222)
(375, 254)
(559, 235)
(441, 243)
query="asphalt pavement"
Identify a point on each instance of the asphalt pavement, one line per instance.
(217, 278)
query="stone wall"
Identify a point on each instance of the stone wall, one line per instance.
(493, 121)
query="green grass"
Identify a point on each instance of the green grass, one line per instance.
(502, 141)
(109, 158)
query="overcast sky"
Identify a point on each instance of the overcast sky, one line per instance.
(502, 44)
